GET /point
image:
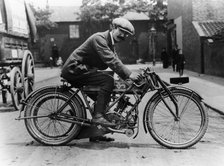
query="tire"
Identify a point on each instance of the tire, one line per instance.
(16, 87)
(47, 130)
(28, 72)
(180, 134)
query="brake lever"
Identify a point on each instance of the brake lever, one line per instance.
(139, 85)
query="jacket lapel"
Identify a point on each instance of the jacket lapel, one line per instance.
(109, 40)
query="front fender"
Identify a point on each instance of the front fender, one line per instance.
(189, 90)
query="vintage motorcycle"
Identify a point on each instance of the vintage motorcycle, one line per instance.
(175, 116)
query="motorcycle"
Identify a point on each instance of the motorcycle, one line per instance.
(175, 116)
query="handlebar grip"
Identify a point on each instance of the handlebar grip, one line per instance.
(137, 83)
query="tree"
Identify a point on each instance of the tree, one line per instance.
(158, 11)
(43, 23)
(93, 14)
(95, 10)
(43, 20)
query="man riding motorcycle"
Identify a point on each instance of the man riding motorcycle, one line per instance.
(84, 65)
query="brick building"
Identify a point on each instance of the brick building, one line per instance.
(197, 27)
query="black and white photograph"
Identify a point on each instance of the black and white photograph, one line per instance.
(111, 82)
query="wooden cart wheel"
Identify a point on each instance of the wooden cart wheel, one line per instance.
(28, 72)
(16, 87)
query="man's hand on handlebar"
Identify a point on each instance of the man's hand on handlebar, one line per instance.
(135, 76)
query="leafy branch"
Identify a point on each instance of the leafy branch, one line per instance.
(43, 19)
(95, 11)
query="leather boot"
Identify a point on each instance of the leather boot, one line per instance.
(99, 119)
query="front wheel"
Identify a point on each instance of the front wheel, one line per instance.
(43, 125)
(177, 133)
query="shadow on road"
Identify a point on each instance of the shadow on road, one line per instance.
(101, 145)
(7, 108)
(93, 146)
(106, 145)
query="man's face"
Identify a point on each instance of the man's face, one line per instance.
(119, 35)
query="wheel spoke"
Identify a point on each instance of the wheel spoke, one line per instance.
(50, 130)
(177, 133)
(16, 87)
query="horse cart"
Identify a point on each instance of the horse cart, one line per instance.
(17, 33)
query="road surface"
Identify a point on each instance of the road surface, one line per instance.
(18, 148)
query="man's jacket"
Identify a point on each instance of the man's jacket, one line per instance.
(97, 52)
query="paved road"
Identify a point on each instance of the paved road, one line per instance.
(17, 148)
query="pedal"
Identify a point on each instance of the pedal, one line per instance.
(129, 132)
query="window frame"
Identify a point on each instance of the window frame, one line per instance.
(74, 31)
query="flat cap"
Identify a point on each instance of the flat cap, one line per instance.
(124, 25)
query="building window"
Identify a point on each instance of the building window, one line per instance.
(74, 31)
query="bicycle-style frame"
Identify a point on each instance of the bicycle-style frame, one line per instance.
(171, 109)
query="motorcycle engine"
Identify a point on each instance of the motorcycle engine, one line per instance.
(114, 117)
(121, 114)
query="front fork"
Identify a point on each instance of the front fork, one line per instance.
(174, 100)
(171, 96)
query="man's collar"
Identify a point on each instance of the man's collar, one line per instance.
(112, 39)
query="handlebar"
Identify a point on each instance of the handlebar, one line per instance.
(147, 77)
(150, 80)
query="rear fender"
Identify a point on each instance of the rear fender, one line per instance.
(60, 88)
(35, 92)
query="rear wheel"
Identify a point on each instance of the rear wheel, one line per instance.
(184, 132)
(44, 124)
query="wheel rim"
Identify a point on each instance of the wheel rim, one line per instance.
(47, 130)
(28, 73)
(49, 126)
(16, 87)
(181, 132)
